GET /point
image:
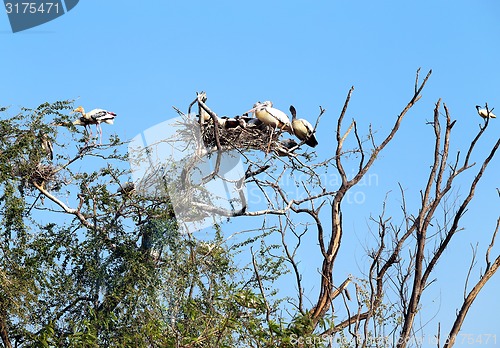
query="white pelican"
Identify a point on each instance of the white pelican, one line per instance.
(303, 129)
(96, 116)
(484, 113)
(272, 117)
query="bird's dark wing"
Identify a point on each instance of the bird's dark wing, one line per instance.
(103, 116)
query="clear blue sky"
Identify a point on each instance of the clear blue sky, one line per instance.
(140, 58)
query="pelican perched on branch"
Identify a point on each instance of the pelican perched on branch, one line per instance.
(485, 113)
(96, 117)
(303, 129)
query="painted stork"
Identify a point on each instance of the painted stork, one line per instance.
(202, 114)
(46, 145)
(272, 117)
(303, 129)
(96, 116)
(484, 113)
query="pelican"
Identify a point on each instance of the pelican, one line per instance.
(303, 129)
(272, 117)
(96, 116)
(484, 113)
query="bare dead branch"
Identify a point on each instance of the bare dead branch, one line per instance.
(471, 267)
(322, 304)
(488, 263)
(462, 313)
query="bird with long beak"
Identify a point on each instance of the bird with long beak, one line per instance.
(270, 116)
(96, 117)
(485, 113)
(202, 114)
(303, 129)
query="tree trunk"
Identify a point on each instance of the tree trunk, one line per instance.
(4, 332)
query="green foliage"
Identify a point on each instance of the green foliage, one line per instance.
(82, 265)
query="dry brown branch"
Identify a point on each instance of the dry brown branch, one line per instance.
(323, 302)
(462, 313)
(423, 269)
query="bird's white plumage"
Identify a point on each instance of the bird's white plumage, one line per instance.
(303, 129)
(100, 115)
(306, 124)
(484, 113)
(271, 116)
(96, 117)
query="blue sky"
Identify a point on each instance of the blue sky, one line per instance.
(139, 59)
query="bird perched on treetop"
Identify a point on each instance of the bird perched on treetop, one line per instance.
(46, 145)
(303, 129)
(96, 116)
(485, 113)
(202, 114)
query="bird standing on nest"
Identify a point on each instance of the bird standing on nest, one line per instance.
(271, 117)
(303, 129)
(484, 113)
(96, 117)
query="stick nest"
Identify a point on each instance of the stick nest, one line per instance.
(245, 136)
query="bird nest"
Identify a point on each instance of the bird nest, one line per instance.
(239, 133)
(39, 175)
(43, 174)
(242, 136)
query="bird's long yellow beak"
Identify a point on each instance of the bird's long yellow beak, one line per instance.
(77, 110)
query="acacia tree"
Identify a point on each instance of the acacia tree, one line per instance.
(87, 262)
(88, 259)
